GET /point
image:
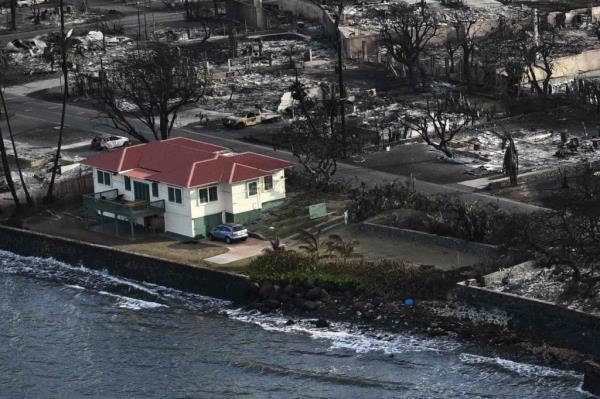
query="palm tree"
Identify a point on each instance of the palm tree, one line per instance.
(312, 244)
(345, 249)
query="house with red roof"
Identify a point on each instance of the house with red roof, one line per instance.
(184, 186)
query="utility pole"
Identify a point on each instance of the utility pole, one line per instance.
(139, 23)
(145, 22)
(340, 71)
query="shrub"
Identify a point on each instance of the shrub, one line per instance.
(281, 265)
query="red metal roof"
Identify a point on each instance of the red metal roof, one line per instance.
(185, 162)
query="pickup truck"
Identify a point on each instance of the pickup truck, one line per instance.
(250, 118)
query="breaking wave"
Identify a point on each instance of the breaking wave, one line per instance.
(128, 294)
(345, 335)
(522, 369)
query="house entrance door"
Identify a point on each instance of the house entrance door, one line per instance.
(141, 191)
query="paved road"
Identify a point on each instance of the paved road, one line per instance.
(129, 22)
(35, 123)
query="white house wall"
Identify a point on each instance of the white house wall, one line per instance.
(241, 202)
(179, 217)
(210, 208)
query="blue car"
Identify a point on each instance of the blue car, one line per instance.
(228, 232)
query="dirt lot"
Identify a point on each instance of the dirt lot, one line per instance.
(550, 190)
(376, 247)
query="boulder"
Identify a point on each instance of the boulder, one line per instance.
(266, 290)
(272, 303)
(311, 305)
(313, 294)
(253, 288)
(308, 284)
(322, 323)
(274, 294)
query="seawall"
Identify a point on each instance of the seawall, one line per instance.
(190, 278)
(535, 319)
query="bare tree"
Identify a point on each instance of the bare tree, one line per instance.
(466, 31)
(451, 45)
(406, 30)
(312, 138)
(538, 56)
(441, 120)
(150, 86)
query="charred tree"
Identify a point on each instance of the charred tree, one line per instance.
(149, 88)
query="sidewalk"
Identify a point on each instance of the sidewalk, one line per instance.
(27, 88)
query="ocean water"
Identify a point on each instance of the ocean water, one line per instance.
(71, 332)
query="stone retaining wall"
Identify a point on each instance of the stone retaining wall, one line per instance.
(195, 279)
(442, 241)
(555, 325)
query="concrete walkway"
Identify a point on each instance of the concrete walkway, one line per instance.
(240, 250)
(27, 88)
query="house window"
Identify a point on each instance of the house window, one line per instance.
(208, 194)
(252, 188)
(175, 195)
(154, 189)
(268, 181)
(127, 183)
(103, 177)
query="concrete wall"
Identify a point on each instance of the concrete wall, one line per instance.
(248, 14)
(539, 320)
(180, 276)
(309, 10)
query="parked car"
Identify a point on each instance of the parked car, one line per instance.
(250, 118)
(24, 3)
(109, 142)
(228, 232)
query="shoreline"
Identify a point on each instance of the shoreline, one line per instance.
(321, 302)
(433, 318)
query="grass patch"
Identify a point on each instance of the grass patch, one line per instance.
(177, 251)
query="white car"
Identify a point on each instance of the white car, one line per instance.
(109, 142)
(24, 3)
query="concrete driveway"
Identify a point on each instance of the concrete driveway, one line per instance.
(239, 250)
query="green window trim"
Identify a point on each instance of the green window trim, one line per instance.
(127, 183)
(175, 195)
(154, 189)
